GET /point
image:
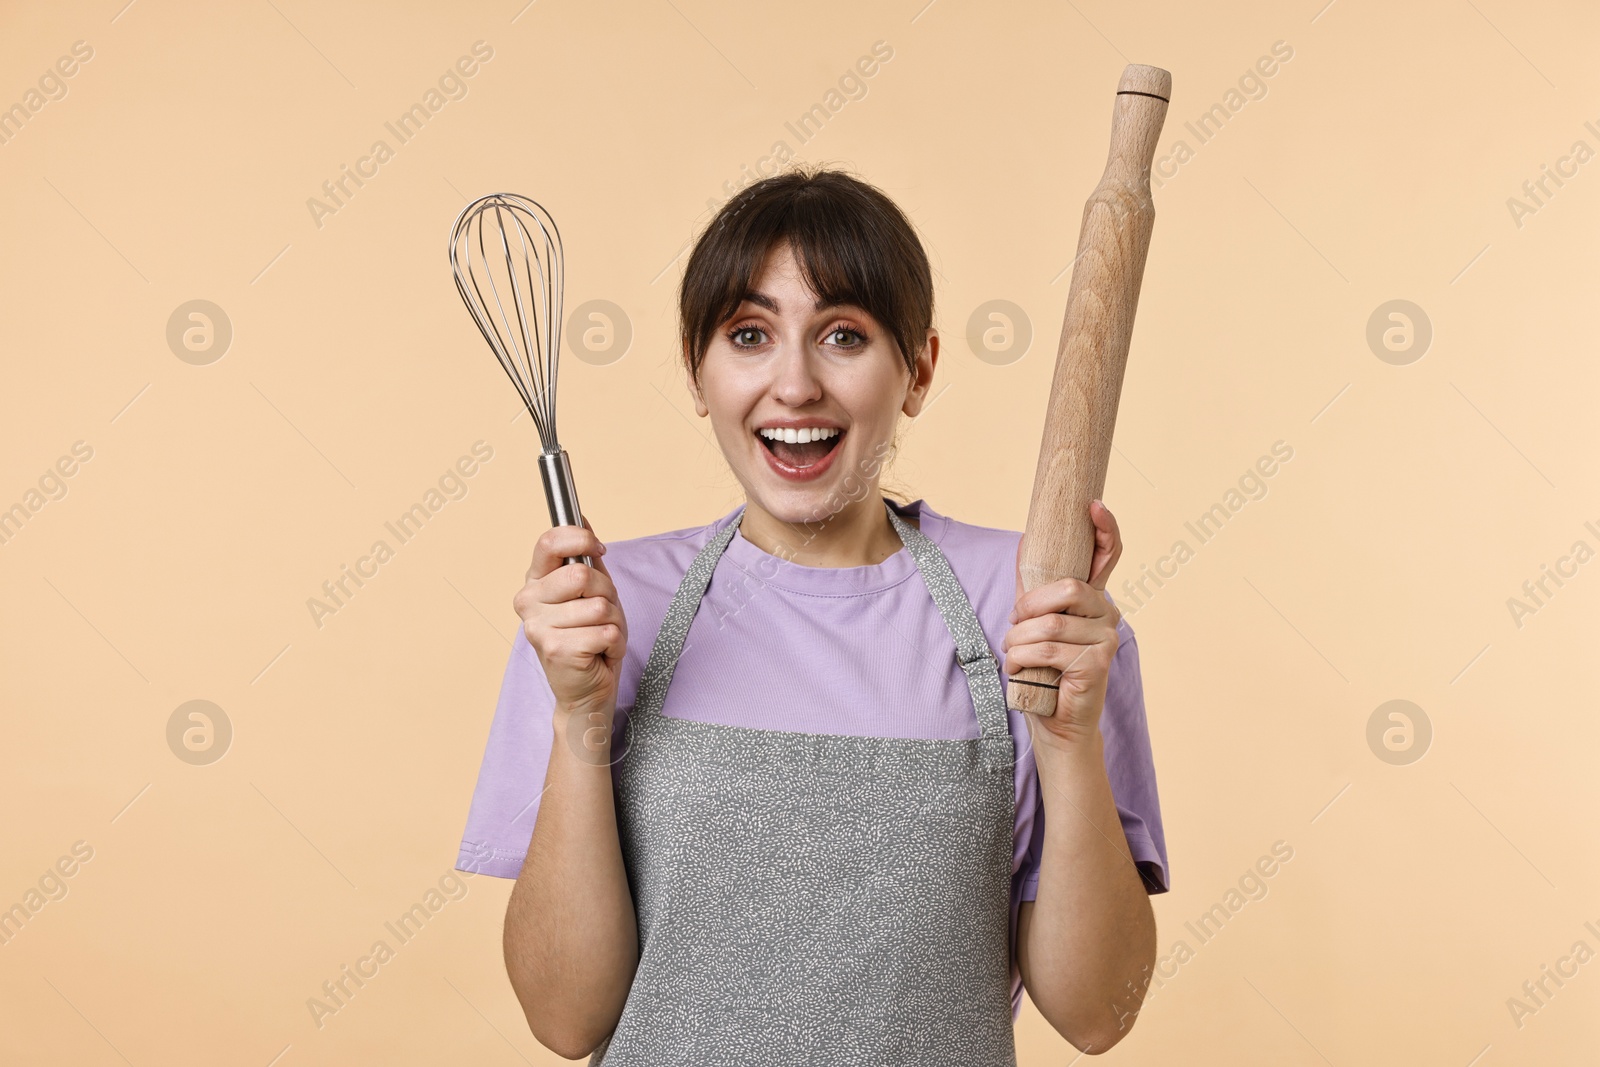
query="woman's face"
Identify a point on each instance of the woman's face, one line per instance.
(804, 400)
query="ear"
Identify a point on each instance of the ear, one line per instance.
(922, 380)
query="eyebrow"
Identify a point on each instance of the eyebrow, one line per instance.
(763, 300)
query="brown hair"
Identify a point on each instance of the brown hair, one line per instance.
(853, 245)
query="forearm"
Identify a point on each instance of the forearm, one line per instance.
(1090, 937)
(571, 936)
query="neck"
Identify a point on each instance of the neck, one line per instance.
(857, 535)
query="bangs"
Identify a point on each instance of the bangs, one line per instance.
(835, 267)
(852, 244)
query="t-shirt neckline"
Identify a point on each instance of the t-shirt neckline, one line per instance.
(773, 570)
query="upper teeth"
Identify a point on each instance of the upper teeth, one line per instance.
(798, 437)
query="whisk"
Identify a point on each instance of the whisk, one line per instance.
(505, 251)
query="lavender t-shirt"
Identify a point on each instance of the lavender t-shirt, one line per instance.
(837, 650)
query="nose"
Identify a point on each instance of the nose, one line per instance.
(796, 383)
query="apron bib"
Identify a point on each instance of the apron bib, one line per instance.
(817, 898)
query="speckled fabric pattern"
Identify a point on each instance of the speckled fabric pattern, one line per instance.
(817, 898)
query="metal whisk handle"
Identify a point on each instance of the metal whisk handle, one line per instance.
(555, 470)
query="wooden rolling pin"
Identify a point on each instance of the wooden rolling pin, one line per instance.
(1117, 220)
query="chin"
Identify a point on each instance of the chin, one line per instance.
(810, 503)
(802, 505)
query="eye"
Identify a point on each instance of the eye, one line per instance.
(851, 337)
(746, 336)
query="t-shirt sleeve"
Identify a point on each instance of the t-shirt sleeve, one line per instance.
(505, 802)
(1130, 766)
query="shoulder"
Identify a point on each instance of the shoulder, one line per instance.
(639, 558)
(648, 569)
(984, 559)
(984, 547)
(654, 559)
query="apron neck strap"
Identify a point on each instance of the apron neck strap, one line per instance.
(973, 653)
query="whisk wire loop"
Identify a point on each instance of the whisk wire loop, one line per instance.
(512, 286)
(506, 254)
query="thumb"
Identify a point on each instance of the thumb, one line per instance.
(597, 559)
(1107, 545)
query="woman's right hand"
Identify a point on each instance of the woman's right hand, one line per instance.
(573, 619)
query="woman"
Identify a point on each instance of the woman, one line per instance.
(756, 780)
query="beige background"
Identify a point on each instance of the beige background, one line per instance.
(219, 497)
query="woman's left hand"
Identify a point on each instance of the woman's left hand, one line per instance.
(1071, 626)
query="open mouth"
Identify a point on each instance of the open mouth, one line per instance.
(802, 452)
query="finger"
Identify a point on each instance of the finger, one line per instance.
(616, 641)
(585, 642)
(571, 582)
(598, 557)
(579, 613)
(1054, 627)
(1053, 654)
(1107, 544)
(560, 543)
(1068, 595)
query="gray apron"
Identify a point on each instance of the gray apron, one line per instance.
(817, 898)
